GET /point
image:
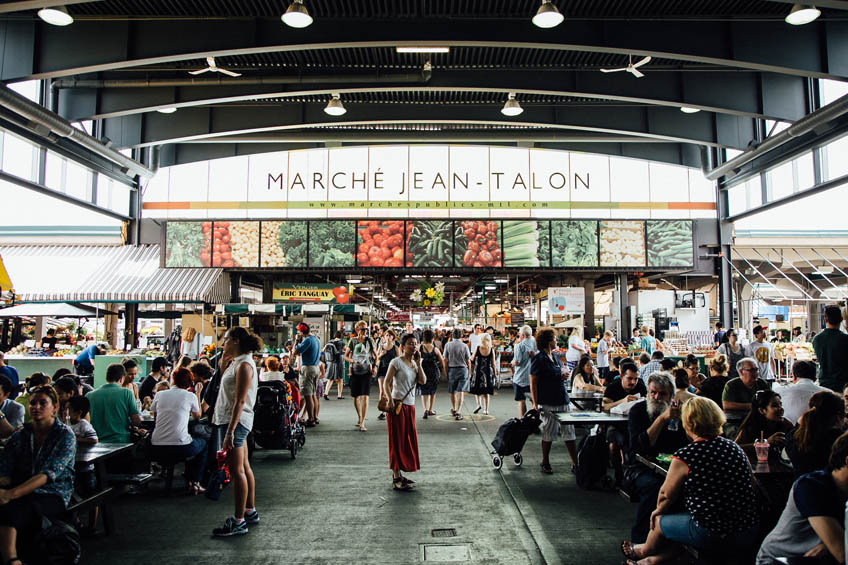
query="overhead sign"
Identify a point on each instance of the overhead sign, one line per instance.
(439, 180)
(393, 316)
(294, 292)
(566, 301)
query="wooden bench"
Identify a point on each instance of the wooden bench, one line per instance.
(129, 479)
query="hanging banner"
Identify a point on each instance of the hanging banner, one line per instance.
(566, 300)
(393, 316)
(296, 292)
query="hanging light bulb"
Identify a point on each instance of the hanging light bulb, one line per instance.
(297, 15)
(547, 16)
(511, 107)
(335, 107)
(57, 16)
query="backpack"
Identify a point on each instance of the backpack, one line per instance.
(361, 357)
(330, 353)
(592, 460)
(57, 543)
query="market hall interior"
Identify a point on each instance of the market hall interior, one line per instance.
(185, 184)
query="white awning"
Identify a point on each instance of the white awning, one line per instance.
(80, 273)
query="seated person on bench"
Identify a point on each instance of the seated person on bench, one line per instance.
(171, 440)
(627, 388)
(36, 473)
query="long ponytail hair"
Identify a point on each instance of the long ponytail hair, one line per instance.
(825, 408)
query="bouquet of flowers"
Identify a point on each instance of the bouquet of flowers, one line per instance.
(428, 294)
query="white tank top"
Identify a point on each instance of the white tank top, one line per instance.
(227, 393)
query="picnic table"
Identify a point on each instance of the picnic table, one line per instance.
(585, 399)
(590, 418)
(98, 455)
(771, 467)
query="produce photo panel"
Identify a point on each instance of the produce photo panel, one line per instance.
(380, 243)
(574, 243)
(332, 243)
(284, 243)
(622, 243)
(477, 243)
(670, 243)
(526, 243)
(235, 244)
(430, 243)
(188, 244)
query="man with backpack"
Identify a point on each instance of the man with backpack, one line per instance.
(334, 360)
(361, 354)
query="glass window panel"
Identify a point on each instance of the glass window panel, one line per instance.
(78, 181)
(830, 90)
(836, 165)
(30, 89)
(104, 191)
(780, 181)
(18, 156)
(804, 172)
(120, 201)
(737, 199)
(54, 176)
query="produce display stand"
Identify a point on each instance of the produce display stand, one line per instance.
(29, 364)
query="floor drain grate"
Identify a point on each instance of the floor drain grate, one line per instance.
(443, 533)
(459, 553)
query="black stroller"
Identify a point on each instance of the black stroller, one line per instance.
(275, 424)
(511, 437)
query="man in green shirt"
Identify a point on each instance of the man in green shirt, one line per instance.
(113, 408)
(831, 346)
(739, 392)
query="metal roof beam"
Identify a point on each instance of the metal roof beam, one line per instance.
(750, 94)
(197, 124)
(95, 46)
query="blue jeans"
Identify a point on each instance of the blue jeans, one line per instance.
(682, 528)
(194, 455)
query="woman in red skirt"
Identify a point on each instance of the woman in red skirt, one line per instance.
(403, 375)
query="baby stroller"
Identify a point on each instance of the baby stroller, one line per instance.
(511, 437)
(275, 423)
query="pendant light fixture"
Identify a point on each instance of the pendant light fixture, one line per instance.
(335, 107)
(547, 16)
(168, 110)
(297, 15)
(57, 16)
(689, 110)
(801, 14)
(511, 107)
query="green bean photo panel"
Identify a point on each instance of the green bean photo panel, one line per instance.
(430, 243)
(670, 243)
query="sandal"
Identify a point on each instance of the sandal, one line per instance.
(629, 550)
(458, 417)
(546, 468)
(431, 412)
(13, 559)
(407, 481)
(398, 484)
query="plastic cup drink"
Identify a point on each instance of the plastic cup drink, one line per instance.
(762, 449)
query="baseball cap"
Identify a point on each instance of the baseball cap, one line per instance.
(302, 327)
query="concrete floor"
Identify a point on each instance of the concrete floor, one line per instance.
(335, 504)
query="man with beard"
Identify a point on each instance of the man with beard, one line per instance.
(650, 436)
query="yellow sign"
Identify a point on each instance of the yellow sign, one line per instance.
(5, 281)
(293, 292)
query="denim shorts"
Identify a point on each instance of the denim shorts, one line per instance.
(521, 392)
(682, 528)
(239, 435)
(458, 380)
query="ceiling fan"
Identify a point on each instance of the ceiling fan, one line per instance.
(631, 68)
(214, 68)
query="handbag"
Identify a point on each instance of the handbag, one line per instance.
(57, 542)
(383, 404)
(219, 479)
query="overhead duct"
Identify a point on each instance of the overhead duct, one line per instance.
(370, 78)
(44, 122)
(801, 127)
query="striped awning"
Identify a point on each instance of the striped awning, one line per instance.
(85, 273)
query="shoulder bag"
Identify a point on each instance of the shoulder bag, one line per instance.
(383, 404)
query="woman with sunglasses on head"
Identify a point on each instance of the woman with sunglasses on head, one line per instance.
(36, 473)
(764, 420)
(732, 351)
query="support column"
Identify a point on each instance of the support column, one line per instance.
(623, 322)
(4, 337)
(131, 326)
(39, 330)
(589, 305)
(723, 269)
(110, 321)
(169, 322)
(235, 288)
(267, 291)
